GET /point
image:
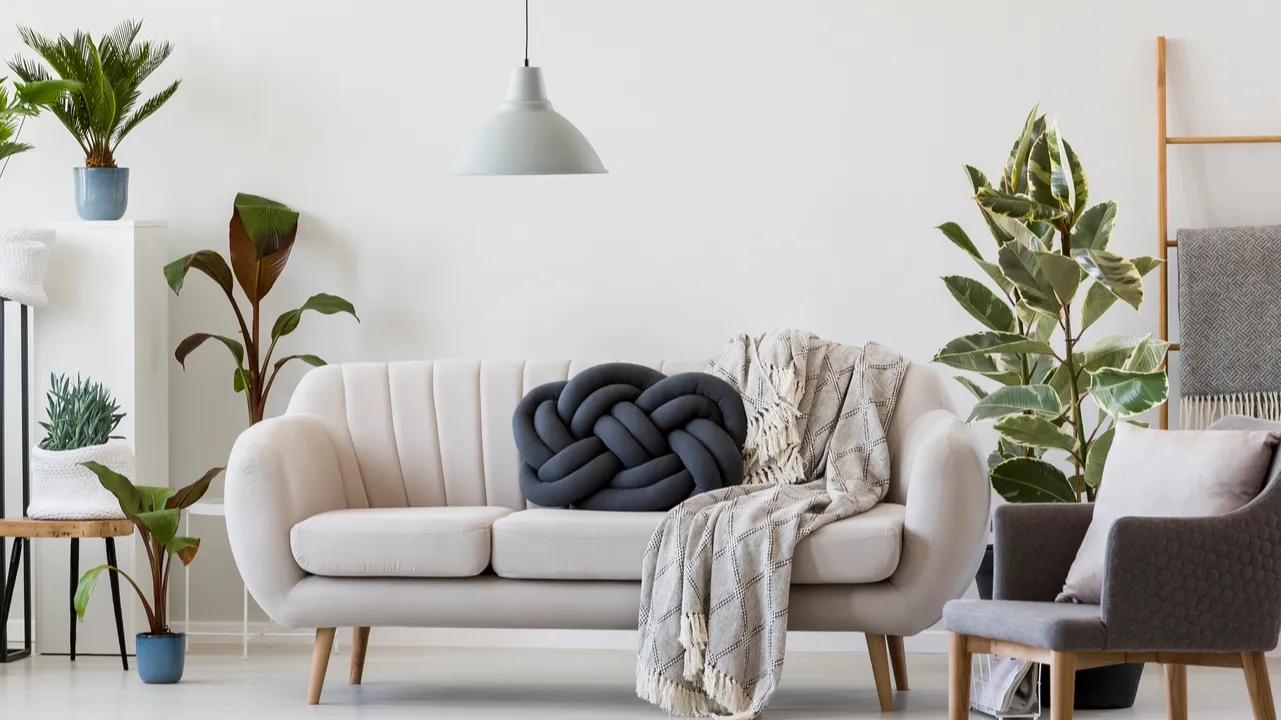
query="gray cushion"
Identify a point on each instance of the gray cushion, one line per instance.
(1050, 626)
(620, 436)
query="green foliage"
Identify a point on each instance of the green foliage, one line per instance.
(23, 101)
(108, 72)
(1035, 315)
(80, 415)
(262, 234)
(157, 513)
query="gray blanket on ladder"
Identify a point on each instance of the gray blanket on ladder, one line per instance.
(1229, 324)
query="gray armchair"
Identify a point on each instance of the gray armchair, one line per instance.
(1177, 591)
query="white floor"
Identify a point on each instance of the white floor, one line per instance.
(471, 683)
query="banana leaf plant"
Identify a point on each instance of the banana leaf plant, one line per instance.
(262, 236)
(1052, 279)
(157, 513)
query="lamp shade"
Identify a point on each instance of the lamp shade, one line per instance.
(528, 137)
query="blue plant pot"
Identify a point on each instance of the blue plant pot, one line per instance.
(102, 193)
(161, 657)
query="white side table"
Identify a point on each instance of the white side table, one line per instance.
(214, 507)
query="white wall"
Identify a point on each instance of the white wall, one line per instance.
(773, 163)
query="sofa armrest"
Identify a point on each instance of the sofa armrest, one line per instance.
(1198, 584)
(281, 472)
(1035, 545)
(948, 500)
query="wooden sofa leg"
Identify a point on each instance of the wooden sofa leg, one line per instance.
(876, 649)
(1176, 691)
(1256, 680)
(898, 659)
(319, 663)
(359, 646)
(1062, 685)
(958, 677)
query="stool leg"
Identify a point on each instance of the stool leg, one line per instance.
(12, 581)
(75, 580)
(115, 600)
(1257, 682)
(958, 674)
(1176, 691)
(1062, 685)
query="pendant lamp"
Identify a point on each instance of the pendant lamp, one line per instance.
(528, 137)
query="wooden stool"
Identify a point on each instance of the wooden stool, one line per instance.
(26, 529)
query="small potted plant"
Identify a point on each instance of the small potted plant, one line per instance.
(157, 513)
(82, 417)
(105, 109)
(24, 251)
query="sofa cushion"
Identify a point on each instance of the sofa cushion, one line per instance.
(557, 544)
(396, 542)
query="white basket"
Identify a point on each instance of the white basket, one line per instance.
(63, 489)
(24, 257)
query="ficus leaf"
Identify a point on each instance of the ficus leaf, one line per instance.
(979, 180)
(1040, 399)
(1063, 274)
(1148, 355)
(978, 392)
(1019, 207)
(1124, 393)
(989, 343)
(1120, 276)
(1048, 180)
(1080, 185)
(981, 303)
(1014, 178)
(1094, 228)
(1034, 432)
(1031, 480)
(959, 238)
(1097, 457)
(1020, 266)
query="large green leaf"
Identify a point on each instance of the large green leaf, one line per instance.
(207, 262)
(974, 388)
(131, 501)
(162, 524)
(187, 496)
(195, 340)
(184, 547)
(991, 343)
(154, 497)
(1049, 182)
(1110, 352)
(1024, 480)
(1043, 367)
(981, 303)
(1062, 272)
(1040, 399)
(1148, 355)
(1060, 380)
(1099, 299)
(1098, 456)
(959, 238)
(89, 582)
(1035, 432)
(1014, 175)
(1020, 266)
(1124, 393)
(1094, 228)
(991, 366)
(268, 223)
(321, 303)
(1080, 185)
(1018, 230)
(979, 180)
(1019, 207)
(1120, 276)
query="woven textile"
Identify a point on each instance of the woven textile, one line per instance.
(717, 573)
(1230, 328)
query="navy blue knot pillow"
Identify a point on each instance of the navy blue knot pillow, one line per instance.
(627, 437)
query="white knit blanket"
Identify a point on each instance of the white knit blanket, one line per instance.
(717, 573)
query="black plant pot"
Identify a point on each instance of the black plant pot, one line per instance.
(1114, 687)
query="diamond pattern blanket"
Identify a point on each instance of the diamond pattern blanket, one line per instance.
(717, 573)
(1229, 327)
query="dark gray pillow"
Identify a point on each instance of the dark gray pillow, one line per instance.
(620, 436)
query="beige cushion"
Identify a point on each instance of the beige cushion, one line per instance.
(1163, 473)
(396, 542)
(558, 544)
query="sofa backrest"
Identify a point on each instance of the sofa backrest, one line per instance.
(439, 433)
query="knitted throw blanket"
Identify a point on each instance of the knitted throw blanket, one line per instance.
(717, 573)
(1229, 326)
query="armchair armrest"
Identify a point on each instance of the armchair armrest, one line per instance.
(948, 500)
(281, 472)
(1035, 545)
(1200, 584)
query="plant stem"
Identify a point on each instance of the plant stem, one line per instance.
(1078, 426)
(16, 135)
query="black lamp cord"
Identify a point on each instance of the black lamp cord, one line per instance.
(526, 33)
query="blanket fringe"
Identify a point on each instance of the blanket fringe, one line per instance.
(693, 638)
(1198, 413)
(671, 697)
(723, 690)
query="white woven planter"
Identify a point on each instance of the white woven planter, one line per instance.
(24, 257)
(63, 489)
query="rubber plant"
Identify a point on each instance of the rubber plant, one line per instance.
(108, 73)
(1052, 279)
(262, 234)
(25, 100)
(157, 513)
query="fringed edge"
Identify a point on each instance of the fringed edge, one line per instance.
(772, 432)
(724, 691)
(694, 639)
(1198, 413)
(672, 697)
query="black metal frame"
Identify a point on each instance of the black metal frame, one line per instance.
(21, 547)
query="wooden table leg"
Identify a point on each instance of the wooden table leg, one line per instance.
(115, 600)
(959, 661)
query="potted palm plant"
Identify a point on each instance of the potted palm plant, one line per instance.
(157, 513)
(1054, 276)
(24, 251)
(105, 109)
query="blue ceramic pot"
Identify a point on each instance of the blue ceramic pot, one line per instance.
(161, 657)
(102, 193)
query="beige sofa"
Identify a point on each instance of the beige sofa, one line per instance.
(387, 495)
